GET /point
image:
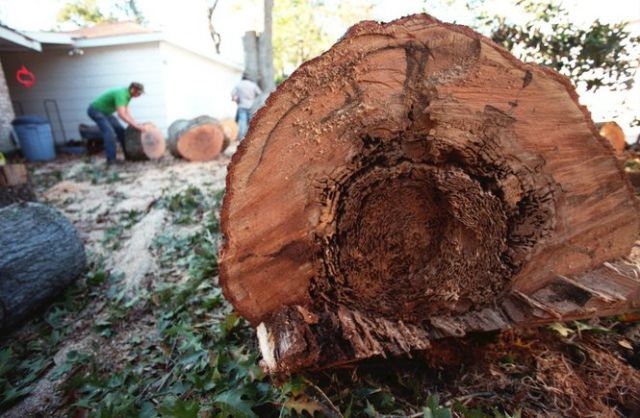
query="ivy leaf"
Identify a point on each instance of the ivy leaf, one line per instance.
(434, 410)
(232, 404)
(303, 403)
(561, 329)
(181, 409)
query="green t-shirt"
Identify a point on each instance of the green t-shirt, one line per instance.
(109, 101)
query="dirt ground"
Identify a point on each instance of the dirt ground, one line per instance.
(574, 371)
(94, 197)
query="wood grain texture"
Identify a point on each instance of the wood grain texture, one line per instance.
(412, 183)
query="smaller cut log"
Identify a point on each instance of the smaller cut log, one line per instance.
(14, 185)
(230, 129)
(41, 256)
(148, 145)
(614, 134)
(13, 174)
(200, 139)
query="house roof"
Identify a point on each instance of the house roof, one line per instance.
(13, 40)
(106, 34)
(110, 29)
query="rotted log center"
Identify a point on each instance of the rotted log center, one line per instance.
(414, 239)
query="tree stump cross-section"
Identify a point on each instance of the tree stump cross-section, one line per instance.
(417, 181)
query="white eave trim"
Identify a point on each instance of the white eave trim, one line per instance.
(51, 37)
(117, 40)
(19, 39)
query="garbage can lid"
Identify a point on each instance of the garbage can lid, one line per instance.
(30, 120)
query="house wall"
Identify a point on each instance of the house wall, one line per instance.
(179, 84)
(6, 114)
(66, 84)
(197, 85)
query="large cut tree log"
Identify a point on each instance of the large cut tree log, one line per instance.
(41, 254)
(417, 181)
(147, 145)
(199, 139)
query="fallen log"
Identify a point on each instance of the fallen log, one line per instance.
(199, 139)
(41, 256)
(614, 134)
(415, 182)
(147, 145)
(230, 129)
(14, 185)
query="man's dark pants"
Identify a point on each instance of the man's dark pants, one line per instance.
(110, 128)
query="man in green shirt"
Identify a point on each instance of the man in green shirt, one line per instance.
(101, 111)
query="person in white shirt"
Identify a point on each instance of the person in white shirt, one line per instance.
(244, 94)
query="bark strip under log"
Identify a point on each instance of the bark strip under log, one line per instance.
(422, 182)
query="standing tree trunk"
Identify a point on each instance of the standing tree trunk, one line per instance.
(258, 56)
(251, 56)
(266, 51)
(422, 183)
(41, 255)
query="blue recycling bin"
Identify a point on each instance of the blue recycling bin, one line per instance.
(35, 137)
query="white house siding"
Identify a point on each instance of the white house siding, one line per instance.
(70, 83)
(197, 85)
(6, 114)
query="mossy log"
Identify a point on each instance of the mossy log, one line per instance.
(41, 256)
(415, 182)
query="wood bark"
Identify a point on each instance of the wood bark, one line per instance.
(14, 185)
(41, 255)
(199, 139)
(414, 182)
(148, 145)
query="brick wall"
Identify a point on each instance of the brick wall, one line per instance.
(6, 114)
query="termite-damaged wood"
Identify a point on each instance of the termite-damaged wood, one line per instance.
(417, 181)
